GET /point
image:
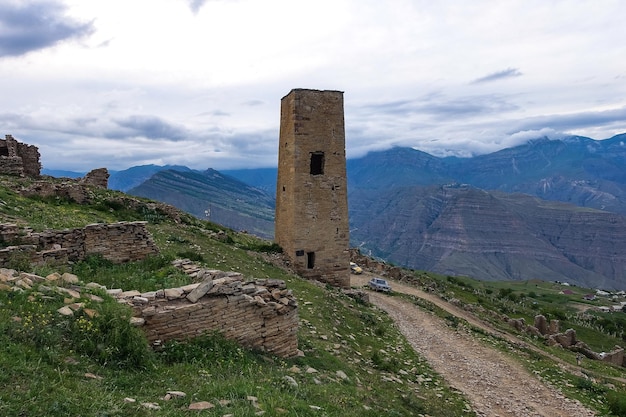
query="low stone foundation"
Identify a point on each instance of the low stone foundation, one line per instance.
(258, 314)
(117, 242)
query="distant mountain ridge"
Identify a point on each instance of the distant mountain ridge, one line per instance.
(462, 230)
(576, 170)
(212, 196)
(456, 217)
(396, 203)
(135, 176)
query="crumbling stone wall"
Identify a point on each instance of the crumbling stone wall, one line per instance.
(258, 314)
(118, 242)
(381, 268)
(79, 190)
(97, 177)
(19, 158)
(567, 340)
(311, 196)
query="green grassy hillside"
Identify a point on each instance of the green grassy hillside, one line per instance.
(355, 363)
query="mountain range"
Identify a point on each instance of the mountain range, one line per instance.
(213, 196)
(548, 209)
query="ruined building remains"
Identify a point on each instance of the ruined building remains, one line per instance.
(18, 158)
(311, 192)
(260, 314)
(117, 242)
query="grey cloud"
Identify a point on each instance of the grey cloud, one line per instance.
(574, 121)
(469, 106)
(10, 120)
(34, 26)
(218, 113)
(253, 103)
(151, 127)
(441, 108)
(507, 73)
(393, 107)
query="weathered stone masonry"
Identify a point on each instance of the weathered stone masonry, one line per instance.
(117, 242)
(18, 158)
(311, 191)
(258, 314)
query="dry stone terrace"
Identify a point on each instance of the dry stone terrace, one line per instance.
(117, 242)
(259, 314)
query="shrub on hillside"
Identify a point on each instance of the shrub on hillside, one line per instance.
(617, 403)
(110, 338)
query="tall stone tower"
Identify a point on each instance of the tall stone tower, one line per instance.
(311, 222)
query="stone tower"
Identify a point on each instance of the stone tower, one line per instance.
(311, 191)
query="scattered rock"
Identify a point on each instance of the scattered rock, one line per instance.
(176, 394)
(65, 311)
(341, 375)
(90, 312)
(55, 276)
(292, 382)
(69, 278)
(151, 406)
(202, 405)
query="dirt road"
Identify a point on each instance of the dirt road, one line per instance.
(495, 384)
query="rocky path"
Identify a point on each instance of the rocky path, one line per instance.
(495, 384)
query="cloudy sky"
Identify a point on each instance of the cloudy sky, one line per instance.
(118, 83)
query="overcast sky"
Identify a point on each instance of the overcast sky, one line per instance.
(118, 83)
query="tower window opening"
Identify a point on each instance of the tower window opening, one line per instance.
(310, 260)
(317, 163)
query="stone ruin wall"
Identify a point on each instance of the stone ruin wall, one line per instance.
(78, 190)
(117, 242)
(22, 160)
(18, 158)
(258, 314)
(549, 331)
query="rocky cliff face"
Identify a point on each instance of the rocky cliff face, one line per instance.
(460, 230)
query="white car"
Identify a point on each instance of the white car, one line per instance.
(379, 284)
